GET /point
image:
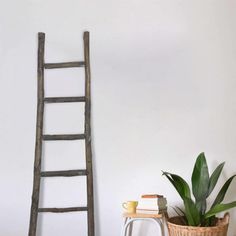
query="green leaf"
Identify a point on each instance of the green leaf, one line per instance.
(180, 185)
(219, 208)
(214, 178)
(191, 212)
(200, 178)
(222, 192)
(180, 210)
(201, 206)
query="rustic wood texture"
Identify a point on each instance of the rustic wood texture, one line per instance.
(88, 147)
(63, 99)
(140, 214)
(63, 173)
(53, 137)
(39, 131)
(64, 65)
(88, 172)
(62, 210)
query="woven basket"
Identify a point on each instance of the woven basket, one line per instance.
(176, 229)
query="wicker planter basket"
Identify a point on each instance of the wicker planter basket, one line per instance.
(176, 229)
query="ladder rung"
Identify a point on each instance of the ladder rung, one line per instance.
(65, 173)
(62, 210)
(64, 64)
(64, 99)
(63, 137)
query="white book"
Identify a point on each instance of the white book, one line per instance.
(148, 208)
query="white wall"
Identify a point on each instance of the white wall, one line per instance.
(163, 90)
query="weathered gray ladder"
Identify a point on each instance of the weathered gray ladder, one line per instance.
(40, 137)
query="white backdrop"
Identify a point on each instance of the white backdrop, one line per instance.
(163, 90)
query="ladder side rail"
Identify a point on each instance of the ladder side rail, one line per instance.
(39, 132)
(88, 148)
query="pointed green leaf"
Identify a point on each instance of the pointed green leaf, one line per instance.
(200, 178)
(191, 212)
(219, 208)
(214, 177)
(222, 192)
(183, 213)
(180, 184)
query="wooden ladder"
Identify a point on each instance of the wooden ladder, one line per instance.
(40, 137)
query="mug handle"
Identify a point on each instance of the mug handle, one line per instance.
(124, 205)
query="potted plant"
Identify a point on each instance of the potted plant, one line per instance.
(199, 219)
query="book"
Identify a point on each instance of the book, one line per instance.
(152, 202)
(152, 196)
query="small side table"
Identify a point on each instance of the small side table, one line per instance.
(159, 218)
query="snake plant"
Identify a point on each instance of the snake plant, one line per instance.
(196, 212)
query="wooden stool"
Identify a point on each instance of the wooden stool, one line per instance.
(156, 217)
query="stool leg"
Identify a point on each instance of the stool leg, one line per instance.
(161, 225)
(162, 229)
(164, 221)
(123, 233)
(125, 226)
(130, 228)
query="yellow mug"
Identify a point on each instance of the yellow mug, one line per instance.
(130, 206)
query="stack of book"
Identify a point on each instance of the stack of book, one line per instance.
(152, 202)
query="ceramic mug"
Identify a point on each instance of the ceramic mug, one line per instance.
(130, 206)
